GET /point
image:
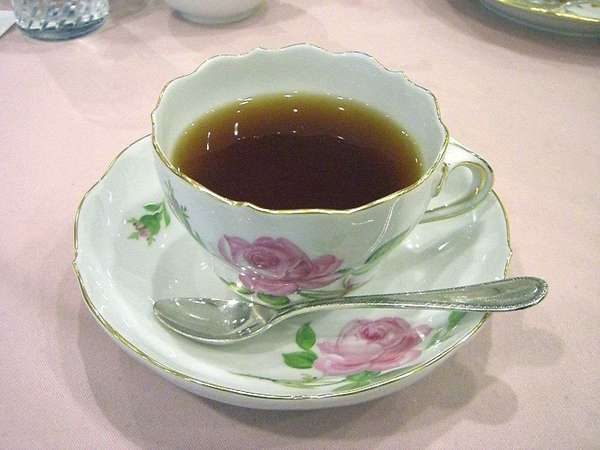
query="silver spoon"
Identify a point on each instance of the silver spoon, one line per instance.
(219, 322)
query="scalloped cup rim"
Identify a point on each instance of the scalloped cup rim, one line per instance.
(243, 204)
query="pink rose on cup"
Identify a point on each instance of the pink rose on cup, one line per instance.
(373, 345)
(277, 266)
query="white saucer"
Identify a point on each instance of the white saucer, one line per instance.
(120, 275)
(574, 17)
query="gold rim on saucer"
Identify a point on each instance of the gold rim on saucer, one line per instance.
(188, 378)
(548, 12)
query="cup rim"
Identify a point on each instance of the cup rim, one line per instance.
(244, 204)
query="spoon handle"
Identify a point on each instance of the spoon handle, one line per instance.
(496, 296)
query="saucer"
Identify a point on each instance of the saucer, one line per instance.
(575, 18)
(129, 251)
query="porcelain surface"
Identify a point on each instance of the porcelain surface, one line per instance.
(124, 260)
(287, 256)
(576, 18)
(215, 12)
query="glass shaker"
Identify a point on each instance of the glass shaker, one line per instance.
(54, 20)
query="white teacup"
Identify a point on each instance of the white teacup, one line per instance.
(292, 255)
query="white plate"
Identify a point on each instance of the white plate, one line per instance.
(339, 358)
(574, 18)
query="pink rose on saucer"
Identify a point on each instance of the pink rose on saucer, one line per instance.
(277, 266)
(372, 345)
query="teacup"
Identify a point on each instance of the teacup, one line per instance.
(282, 256)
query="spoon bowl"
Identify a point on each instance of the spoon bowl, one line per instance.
(213, 320)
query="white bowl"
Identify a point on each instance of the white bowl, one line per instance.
(214, 12)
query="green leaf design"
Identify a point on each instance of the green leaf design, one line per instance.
(360, 270)
(348, 383)
(300, 360)
(196, 236)
(436, 338)
(306, 337)
(243, 290)
(151, 222)
(362, 376)
(317, 295)
(306, 382)
(454, 318)
(358, 380)
(180, 212)
(166, 216)
(380, 377)
(274, 300)
(351, 386)
(381, 251)
(148, 226)
(152, 207)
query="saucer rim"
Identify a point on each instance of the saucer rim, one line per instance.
(549, 13)
(129, 346)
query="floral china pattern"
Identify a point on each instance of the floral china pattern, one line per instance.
(270, 270)
(277, 266)
(276, 271)
(371, 345)
(148, 226)
(365, 352)
(181, 212)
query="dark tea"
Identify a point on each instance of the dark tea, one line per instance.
(299, 150)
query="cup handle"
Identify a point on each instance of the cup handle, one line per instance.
(481, 183)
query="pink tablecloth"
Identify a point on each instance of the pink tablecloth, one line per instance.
(529, 102)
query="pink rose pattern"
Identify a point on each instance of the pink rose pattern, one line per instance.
(371, 345)
(276, 266)
(365, 352)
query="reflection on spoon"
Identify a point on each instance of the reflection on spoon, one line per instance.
(219, 322)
